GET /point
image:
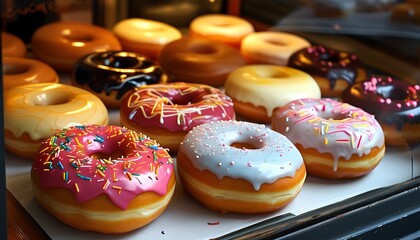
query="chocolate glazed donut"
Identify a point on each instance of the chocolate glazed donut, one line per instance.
(111, 74)
(395, 104)
(333, 70)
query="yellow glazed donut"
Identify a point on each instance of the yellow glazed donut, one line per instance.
(257, 90)
(62, 44)
(271, 47)
(145, 36)
(36, 111)
(19, 71)
(222, 28)
(12, 46)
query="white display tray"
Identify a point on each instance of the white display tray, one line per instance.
(187, 219)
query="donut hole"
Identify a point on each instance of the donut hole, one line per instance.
(101, 155)
(78, 38)
(272, 73)
(202, 49)
(14, 69)
(245, 145)
(222, 24)
(120, 62)
(330, 57)
(391, 92)
(50, 98)
(275, 42)
(332, 116)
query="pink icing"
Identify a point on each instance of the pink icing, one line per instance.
(66, 160)
(177, 106)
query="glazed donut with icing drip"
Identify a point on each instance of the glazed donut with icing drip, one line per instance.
(242, 167)
(222, 28)
(333, 70)
(336, 140)
(36, 111)
(395, 104)
(257, 90)
(106, 179)
(110, 74)
(19, 71)
(166, 112)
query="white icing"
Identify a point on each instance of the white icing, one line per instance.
(270, 86)
(209, 148)
(329, 127)
(271, 47)
(221, 25)
(146, 31)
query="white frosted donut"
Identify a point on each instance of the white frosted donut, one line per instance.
(271, 47)
(233, 166)
(337, 140)
(36, 111)
(222, 28)
(145, 36)
(256, 90)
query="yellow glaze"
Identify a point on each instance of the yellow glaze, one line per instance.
(40, 109)
(270, 86)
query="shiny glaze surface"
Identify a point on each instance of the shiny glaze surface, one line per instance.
(118, 71)
(12, 46)
(323, 62)
(329, 126)
(392, 101)
(18, 71)
(176, 106)
(40, 109)
(210, 147)
(67, 160)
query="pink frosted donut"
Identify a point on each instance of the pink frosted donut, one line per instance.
(166, 112)
(336, 140)
(106, 179)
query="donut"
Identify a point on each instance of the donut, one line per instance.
(271, 47)
(106, 179)
(221, 28)
(333, 70)
(408, 12)
(12, 46)
(36, 111)
(375, 5)
(336, 140)
(145, 36)
(18, 71)
(166, 112)
(110, 74)
(395, 104)
(257, 90)
(242, 167)
(62, 44)
(199, 61)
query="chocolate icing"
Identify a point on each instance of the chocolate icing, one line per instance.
(392, 101)
(323, 62)
(116, 71)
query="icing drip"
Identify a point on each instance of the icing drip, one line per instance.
(209, 146)
(66, 160)
(116, 71)
(393, 102)
(329, 127)
(324, 62)
(177, 106)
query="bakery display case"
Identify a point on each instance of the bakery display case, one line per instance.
(381, 204)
